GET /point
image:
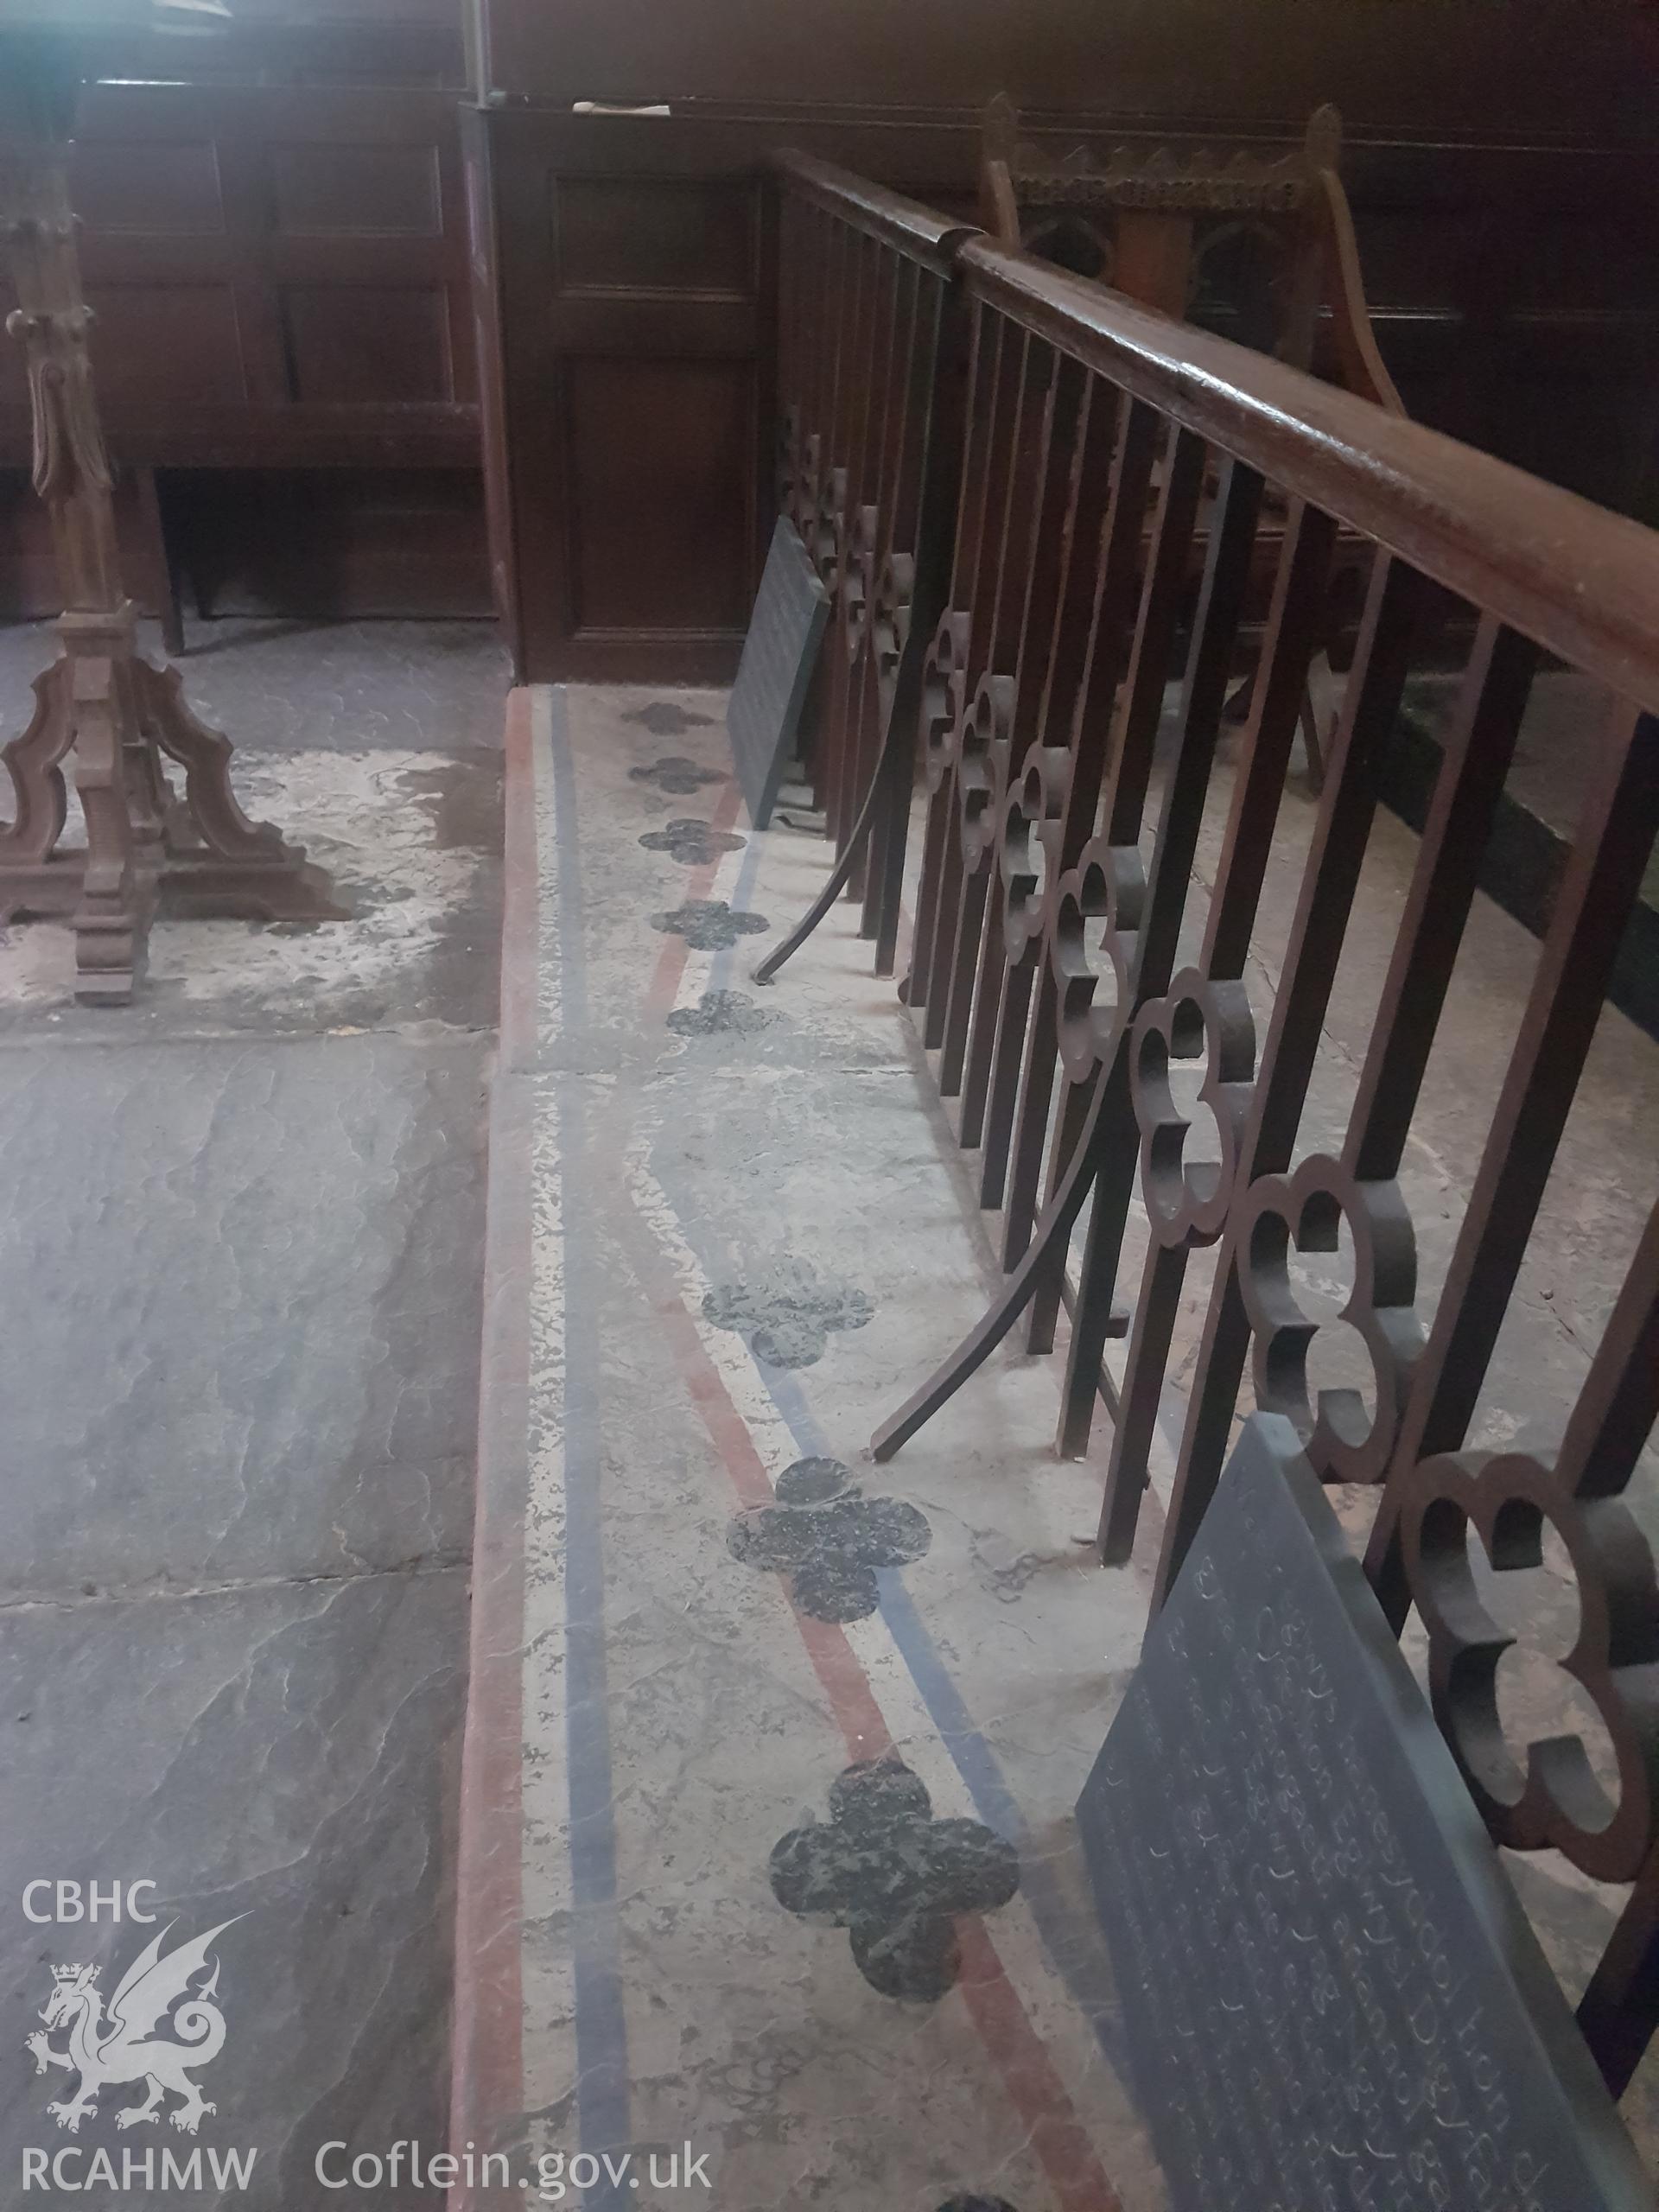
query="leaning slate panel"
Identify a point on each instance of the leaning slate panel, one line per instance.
(1332, 1998)
(780, 654)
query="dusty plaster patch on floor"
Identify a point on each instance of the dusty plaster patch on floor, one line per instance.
(369, 819)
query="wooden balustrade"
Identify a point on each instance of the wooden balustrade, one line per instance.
(869, 332)
(1062, 508)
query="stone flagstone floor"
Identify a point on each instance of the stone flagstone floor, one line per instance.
(767, 1828)
(240, 1256)
(753, 1723)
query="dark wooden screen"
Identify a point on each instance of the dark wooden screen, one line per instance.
(279, 271)
(632, 274)
(1514, 289)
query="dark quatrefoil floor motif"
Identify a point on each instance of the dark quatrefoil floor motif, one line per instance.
(666, 718)
(788, 1311)
(1346, 1442)
(884, 1869)
(694, 844)
(830, 1539)
(1551, 1798)
(709, 925)
(720, 1013)
(674, 772)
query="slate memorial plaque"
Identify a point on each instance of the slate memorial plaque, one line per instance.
(1330, 1995)
(775, 672)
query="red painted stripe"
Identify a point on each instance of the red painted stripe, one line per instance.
(487, 2066)
(488, 2063)
(1079, 2182)
(519, 892)
(851, 1700)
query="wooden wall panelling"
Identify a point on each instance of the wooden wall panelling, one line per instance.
(320, 542)
(483, 268)
(281, 281)
(1496, 312)
(1456, 68)
(630, 266)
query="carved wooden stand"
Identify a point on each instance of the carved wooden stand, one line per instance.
(101, 707)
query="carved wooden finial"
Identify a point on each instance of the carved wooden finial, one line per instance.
(1000, 127)
(1324, 140)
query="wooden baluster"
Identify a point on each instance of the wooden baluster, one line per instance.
(846, 622)
(1134, 636)
(1224, 585)
(990, 643)
(1110, 494)
(852, 389)
(938, 500)
(991, 464)
(904, 589)
(1292, 635)
(1035, 708)
(915, 370)
(1394, 611)
(1030, 562)
(1611, 849)
(1605, 1439)
(920, 988)
(1136, 738)
(872, 536)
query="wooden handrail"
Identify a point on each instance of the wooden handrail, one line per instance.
(919, 233)
(1580, 580)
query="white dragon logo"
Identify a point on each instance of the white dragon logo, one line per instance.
(122, 2048)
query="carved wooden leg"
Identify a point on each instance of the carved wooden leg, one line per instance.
(218, 861)
(33, 761)
(162, 588)
(205, 755)
(112, 918)
(84, 704)
(114, 712)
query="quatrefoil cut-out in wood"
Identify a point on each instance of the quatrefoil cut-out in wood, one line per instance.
(944, 683)
(1199, 1018)
(894, 595)
(855, 564)
(1552, 1798)
(986, 728)
(1107, 886)
(1028, 848)
(1344, 1441)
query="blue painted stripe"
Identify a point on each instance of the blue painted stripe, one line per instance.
(1067, 1927)
(602, 2099)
